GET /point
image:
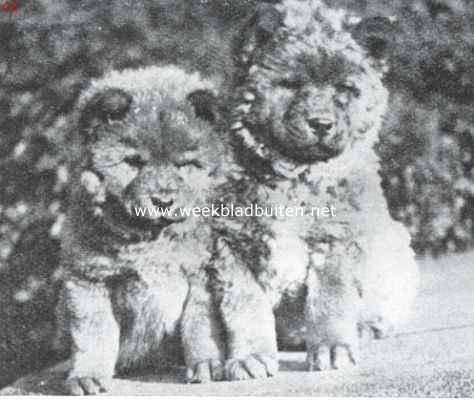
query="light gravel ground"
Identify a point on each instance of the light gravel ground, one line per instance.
(433, 355)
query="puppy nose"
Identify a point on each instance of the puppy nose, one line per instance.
(163, 201)
(320, 125)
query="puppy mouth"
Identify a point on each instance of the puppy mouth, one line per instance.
(150, 217)
(139, 218)
(308, 144)
(169, 214)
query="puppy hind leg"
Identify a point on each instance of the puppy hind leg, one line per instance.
(391, 280)
(149, 315)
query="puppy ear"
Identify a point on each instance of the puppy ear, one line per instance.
(206, 105)
(258, 31)
(376, 34)
(110, 104)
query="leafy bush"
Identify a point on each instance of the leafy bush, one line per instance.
(49, 50)
(428, 178)
(427, 144)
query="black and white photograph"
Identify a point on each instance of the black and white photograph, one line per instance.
(237, 198)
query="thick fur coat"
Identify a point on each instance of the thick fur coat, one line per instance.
(134, 287)
(308, 109)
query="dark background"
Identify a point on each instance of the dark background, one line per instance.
(50, 49)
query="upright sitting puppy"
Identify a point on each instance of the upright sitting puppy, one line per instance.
(135, 281)
(308, 111)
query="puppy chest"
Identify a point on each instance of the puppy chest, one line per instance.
(289, 255)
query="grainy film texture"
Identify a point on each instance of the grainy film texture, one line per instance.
(278, 193)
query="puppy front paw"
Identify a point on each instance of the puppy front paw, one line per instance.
(206, 371)
(323, 357)
(81, 386)
(254, 366)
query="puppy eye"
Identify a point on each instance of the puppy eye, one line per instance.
(135, 161)
(291, 83)
(349, 87)
(190, 157)
(192, 163)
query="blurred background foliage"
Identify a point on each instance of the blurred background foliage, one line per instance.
(49, 50)
(427, 145)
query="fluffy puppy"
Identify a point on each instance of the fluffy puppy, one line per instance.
(134, 282)
(308, 109)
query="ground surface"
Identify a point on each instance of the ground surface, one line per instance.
(433, 355)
